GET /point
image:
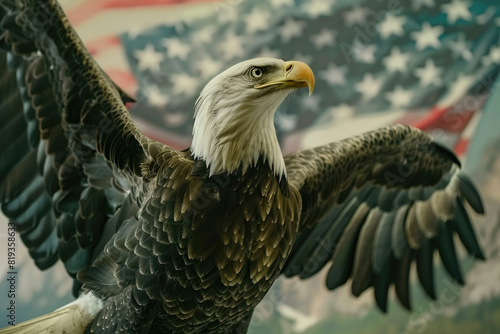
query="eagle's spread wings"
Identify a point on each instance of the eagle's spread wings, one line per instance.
(151, 232)
(390, 197)
(72, 170)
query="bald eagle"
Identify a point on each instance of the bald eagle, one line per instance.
(167, 241)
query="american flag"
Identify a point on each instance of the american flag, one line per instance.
(428, 63)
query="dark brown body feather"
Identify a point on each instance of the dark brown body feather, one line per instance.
(204, 250)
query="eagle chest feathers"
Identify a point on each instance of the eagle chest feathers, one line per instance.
(226, 232)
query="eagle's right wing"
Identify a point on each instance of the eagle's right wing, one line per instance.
(72, 162)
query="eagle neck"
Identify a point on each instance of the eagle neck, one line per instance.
(235, 138)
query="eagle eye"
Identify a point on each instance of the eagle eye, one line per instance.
(256, 72)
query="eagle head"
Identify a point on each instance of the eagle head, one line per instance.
(234, 114)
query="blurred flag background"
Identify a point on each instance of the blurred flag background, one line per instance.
(429, 63)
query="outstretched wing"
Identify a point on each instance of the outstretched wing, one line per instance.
(70, 171)
(391, 197)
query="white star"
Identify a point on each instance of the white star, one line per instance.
(232, 46)
(417, 4)
(458, 89)
(334, 75)
(460, 47)
(291, 29)
(280, 3)
(184, 84)
(369, 87)
(175, 48)
(174, 118)
(357, 15)
(493, 57)
(286, 122)
(342, 111)
(430, 74)
(311, 102)
(155, 97)
(457, 9)
(226, 11)
(365, 53)
(267, 52)
(316, 8)
(257, 20)
(325, 38)
(207, 66)
(204, 35)
(399, 97)
(428, 36)
(148, 58)
(391, 25)
(308, 59)
(397, 61)
(486, 16)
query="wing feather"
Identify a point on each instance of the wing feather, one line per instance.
(370, 213)
(71, 171)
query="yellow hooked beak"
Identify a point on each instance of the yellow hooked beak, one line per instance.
(296, 75)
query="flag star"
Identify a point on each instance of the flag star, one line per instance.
(155, 97)
(226, 12)
(207, 66)
(281, 3)
(418, 4)
(391, 25)
(184, 84)
(315, 8)
(308, 59)
(397, 61)
(457, 90)
(291, 29)
(493, 57)
(232, 46)
(175, 119)
(204, 35)
(463, 82)
(486, 16)
(311, 102)
(399, 97)
(175, 48)
(334, 75)
(325, 38)
(342, 111)
(257, 20)
(357, 15)
(365, 53)
(267, 52)
(369, 87)
(148, 58)
(457, 9)
(428, 36)
(460, 47)
(286, 122)
(430, 74)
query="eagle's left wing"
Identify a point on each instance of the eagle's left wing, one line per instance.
(390, 197)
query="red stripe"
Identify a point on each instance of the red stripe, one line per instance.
(97, 45)
(445, 119)
(425, 122)
(87, 9)
(461, 146)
